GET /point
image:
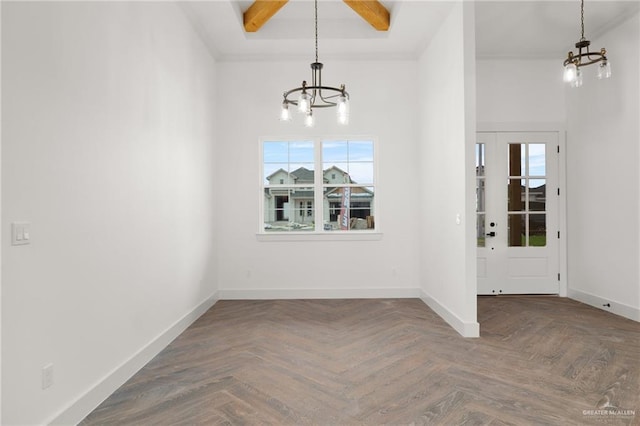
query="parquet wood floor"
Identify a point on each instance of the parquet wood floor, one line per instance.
(539, 360)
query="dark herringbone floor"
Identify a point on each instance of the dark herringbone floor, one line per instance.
(539, 360)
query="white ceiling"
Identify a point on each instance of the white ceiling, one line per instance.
(504, 29)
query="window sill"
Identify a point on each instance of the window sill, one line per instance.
(324, 236)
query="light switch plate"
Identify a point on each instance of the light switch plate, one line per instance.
(20, 233)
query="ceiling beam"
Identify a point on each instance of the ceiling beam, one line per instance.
(371, 11)
(260, 12)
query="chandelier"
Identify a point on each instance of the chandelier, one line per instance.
(316, 95)
(573, 63)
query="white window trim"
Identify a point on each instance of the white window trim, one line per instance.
(319, 234)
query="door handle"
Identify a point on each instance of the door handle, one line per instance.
(491, 234)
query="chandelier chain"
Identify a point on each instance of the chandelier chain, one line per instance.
(582, 18)
(316, 22)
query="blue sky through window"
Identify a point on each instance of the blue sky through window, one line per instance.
(353, 157)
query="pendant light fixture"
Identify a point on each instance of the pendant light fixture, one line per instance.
(574, 62)
(316, 95)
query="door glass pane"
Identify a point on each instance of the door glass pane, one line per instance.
(515, 195)
(480, 158)
(516, 230)
(480, 230)
(480, 195)
(537, 230)
(537, 194)
(537, 160)
(517, 159)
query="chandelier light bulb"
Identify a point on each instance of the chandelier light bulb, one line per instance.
(577, 81)
(570, 72)
(304, 102)
(285, 114)
(308, 119)
(604, 70)
(342, 110)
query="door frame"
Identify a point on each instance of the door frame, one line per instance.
(559, 128)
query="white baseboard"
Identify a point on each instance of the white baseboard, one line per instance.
(84, 405)
(599, 302)
(342, 293)
(466, 329)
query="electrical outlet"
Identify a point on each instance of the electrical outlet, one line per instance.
(47, 376)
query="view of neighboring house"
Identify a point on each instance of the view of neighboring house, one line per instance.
(288, 207)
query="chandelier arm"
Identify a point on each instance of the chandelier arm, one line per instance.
(576, 59)
(318, 89)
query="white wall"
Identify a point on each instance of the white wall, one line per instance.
(1, 219)
(603, 139)
(383, 105)
(108, 151)
(446, 156)
(520, 91)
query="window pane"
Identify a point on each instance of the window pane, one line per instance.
(275, 152)
(287, 163)
(302, 174)
(301, 152)
(335, 151)
(516, 159)
(336, 173)
(515, 194)
(480, 230)
(360, 151)
(537, 159)
(349, 208)
(288, 209)
(480, 156)
(361, 173)
(516, 230)
(276, 172)
(348, 162)
(537, 230)
(537, 194)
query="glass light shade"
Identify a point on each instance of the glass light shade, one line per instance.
(604, 70)
(570, 72)
(308, 119)
(342, 110)
(577, 81)
(304, 102)
(285, 114)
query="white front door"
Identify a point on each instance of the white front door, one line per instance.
(517, 212)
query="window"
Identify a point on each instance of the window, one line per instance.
(527, 195)
(318, 186)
